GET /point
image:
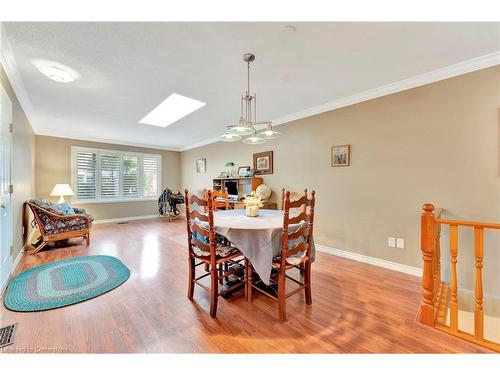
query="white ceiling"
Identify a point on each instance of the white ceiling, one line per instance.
(127, 69)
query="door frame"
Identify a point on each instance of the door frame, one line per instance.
(10, 213)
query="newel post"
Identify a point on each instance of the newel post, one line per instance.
(427, 242)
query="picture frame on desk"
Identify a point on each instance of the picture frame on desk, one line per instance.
(244, 171)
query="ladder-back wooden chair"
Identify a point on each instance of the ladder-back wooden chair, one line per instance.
(296, 255)
(205, 250)
(220, 199)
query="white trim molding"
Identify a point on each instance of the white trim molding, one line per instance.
(370, 260)
(127, 218)
(16, 261)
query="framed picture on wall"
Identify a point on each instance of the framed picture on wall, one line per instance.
(341, 155)
(201, 165)
(263, 162)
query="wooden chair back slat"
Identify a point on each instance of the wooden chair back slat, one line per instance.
(195, 214)
(300, 217)
(302, 201)
(200, 202)
(200, 244)
(301, 246)
(200, 230)
(301, 232)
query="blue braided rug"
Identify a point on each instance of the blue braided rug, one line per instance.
(64, 283)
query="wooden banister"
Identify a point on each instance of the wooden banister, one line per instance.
(427, 245)
(434, 291)
(453, 279)
(478, 309)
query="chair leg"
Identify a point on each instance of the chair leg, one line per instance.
(281, 295)
(249, 282)
(245, 278)
(191, 275)
(38, 248)
(307, 282)
(214, 291)
(221, 280)
(226, 269)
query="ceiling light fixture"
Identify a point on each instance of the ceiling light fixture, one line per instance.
(248, 119)
(56, 71)
(171, 110)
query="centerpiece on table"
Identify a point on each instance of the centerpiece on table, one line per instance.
(252, 204)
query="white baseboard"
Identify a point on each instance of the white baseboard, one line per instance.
(17, 260)
(131, 218)
(128, 218)
(370, 260)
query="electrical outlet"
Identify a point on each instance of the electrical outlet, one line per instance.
(400, 243)
(391, 242)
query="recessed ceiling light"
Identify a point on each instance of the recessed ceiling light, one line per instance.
(56, 71)
(171, 109)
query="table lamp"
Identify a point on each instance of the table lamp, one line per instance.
(61, 190)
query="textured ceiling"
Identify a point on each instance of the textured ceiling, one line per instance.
(127, 69)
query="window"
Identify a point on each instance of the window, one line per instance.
(114, 176)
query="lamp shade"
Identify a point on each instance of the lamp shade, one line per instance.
(62, 189)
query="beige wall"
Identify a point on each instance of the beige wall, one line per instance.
(23, 163)
(53, 165)
(436, 143)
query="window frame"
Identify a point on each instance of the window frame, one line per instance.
(121, 154)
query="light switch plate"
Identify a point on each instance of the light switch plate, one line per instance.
(391, 242)
(400, 243)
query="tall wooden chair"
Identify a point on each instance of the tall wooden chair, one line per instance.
(203, 249)
(298, 255)
(220, 199)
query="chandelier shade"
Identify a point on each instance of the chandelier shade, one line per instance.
(269, 133)
(254, 140)
(229, 137)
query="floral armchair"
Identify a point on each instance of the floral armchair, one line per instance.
(54, 225)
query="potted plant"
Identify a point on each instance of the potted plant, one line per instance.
(252, 204)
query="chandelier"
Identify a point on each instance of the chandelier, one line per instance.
(246, 130)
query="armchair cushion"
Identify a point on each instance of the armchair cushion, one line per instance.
(65, 208)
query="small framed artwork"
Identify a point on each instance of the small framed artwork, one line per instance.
(263, 162)
(244, 171)
(201, 165)
(341, 155)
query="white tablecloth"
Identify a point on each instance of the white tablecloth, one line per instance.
(258, 238)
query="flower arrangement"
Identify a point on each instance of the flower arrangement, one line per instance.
(252, 204)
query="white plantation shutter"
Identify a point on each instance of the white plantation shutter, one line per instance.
(130, 176)
(113, 176)
(150, 176)
(86, 175)
(110, 176)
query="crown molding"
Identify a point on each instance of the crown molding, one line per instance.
(10, 67)
(464, 67)
(111, 142)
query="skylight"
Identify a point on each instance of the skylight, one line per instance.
(171, 109)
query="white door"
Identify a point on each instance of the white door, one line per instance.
(5, 202)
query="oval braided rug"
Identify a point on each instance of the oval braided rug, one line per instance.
(64, 282)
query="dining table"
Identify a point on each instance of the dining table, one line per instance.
(258, 238)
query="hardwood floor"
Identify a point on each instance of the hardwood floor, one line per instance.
(357, 308)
